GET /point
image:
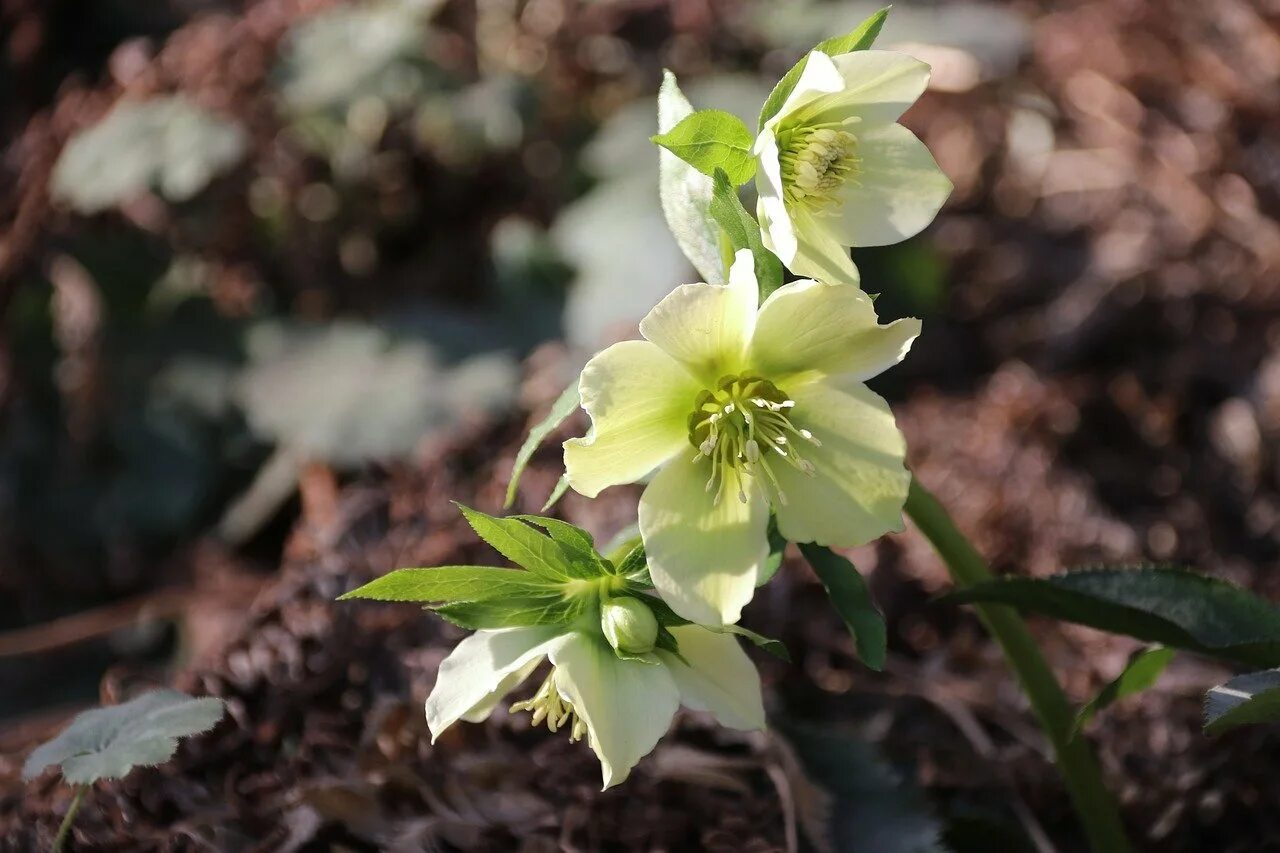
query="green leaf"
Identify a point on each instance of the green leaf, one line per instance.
(562, 486)
(685, 192)
(635, 567)
(860, 37)
(1140, 673)
(1243, 701)
(774, 647)
(495, 613)
(1173, 607)
(711, 140)
(849, 594)
(106, 743)
(744, 233)
(869, 808)
(777, 548)
(564, 406)
(522, 545)
(453, 583)
(577, 544)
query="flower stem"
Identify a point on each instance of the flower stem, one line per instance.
(1076, 762)
(65, 828)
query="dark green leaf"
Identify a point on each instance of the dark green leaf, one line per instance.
(527, 612)
(871, 810)
(743, 232)
(770, 645)
(849, 594)
(777, 549)
(1243, 701)
(662, 611)
(1141, 672)
(106, 743)
(711, 140)
(521, 544)
(1173, 607)
(453, 583)
(635, 567)
(564, 406)
(859, 38)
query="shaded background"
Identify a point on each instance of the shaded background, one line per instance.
(278, 279)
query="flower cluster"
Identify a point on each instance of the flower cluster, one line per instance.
(743, 409)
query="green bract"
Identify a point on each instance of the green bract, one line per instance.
(622, 663)
(711, 140)
(744, 409)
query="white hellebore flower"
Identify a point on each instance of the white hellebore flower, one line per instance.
(623, 706)
(742, 410)
(836, 170)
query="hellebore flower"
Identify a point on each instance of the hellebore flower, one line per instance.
(623, 705)
(836, 170)
(743, 410)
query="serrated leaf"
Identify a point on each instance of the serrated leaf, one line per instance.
(1245, 700)
(577, 544)
(860, 37)
(1173, 607)
(848, 592)
(522, 545)
(743, 232)
(685, 192)
(106, 743)
(495, 613)
(635, 567)
(564, 406)
(774, 647)
(710, 140)
(453, 583)
(1141, 672)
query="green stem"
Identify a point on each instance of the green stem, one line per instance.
(65, 828)
(1076, 762)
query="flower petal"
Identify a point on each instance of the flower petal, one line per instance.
(719, 677)
(639, 400)
(478, 666)
(626, 704)
(879, 86)
(820, 77)
(804, 243)
(481, 711)
(704, 557)
(706, 326)
(830, 328)
(898, 192)
(860, 484)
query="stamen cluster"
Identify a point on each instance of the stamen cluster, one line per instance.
(547, 704)
(815, 162)
(743, 426)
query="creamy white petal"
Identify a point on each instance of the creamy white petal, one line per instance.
(879, 86)
(639, 400)
(819, 253)
(478, 665)
(808, 326)
(511, 681)
(626, 704)
(706, 327)
(898, 192)
(860, 484)
(719, 677)
(821, 77)
(704, 557)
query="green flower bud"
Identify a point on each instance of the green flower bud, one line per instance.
(629, 625)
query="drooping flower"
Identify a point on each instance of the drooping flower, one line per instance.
(622, 661)
(835, 168)
(623, 705)
(744, 409)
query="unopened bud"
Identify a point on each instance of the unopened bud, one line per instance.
(629, 625)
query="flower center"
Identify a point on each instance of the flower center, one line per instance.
(547, 704)
(815, 162)
(744, 426)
